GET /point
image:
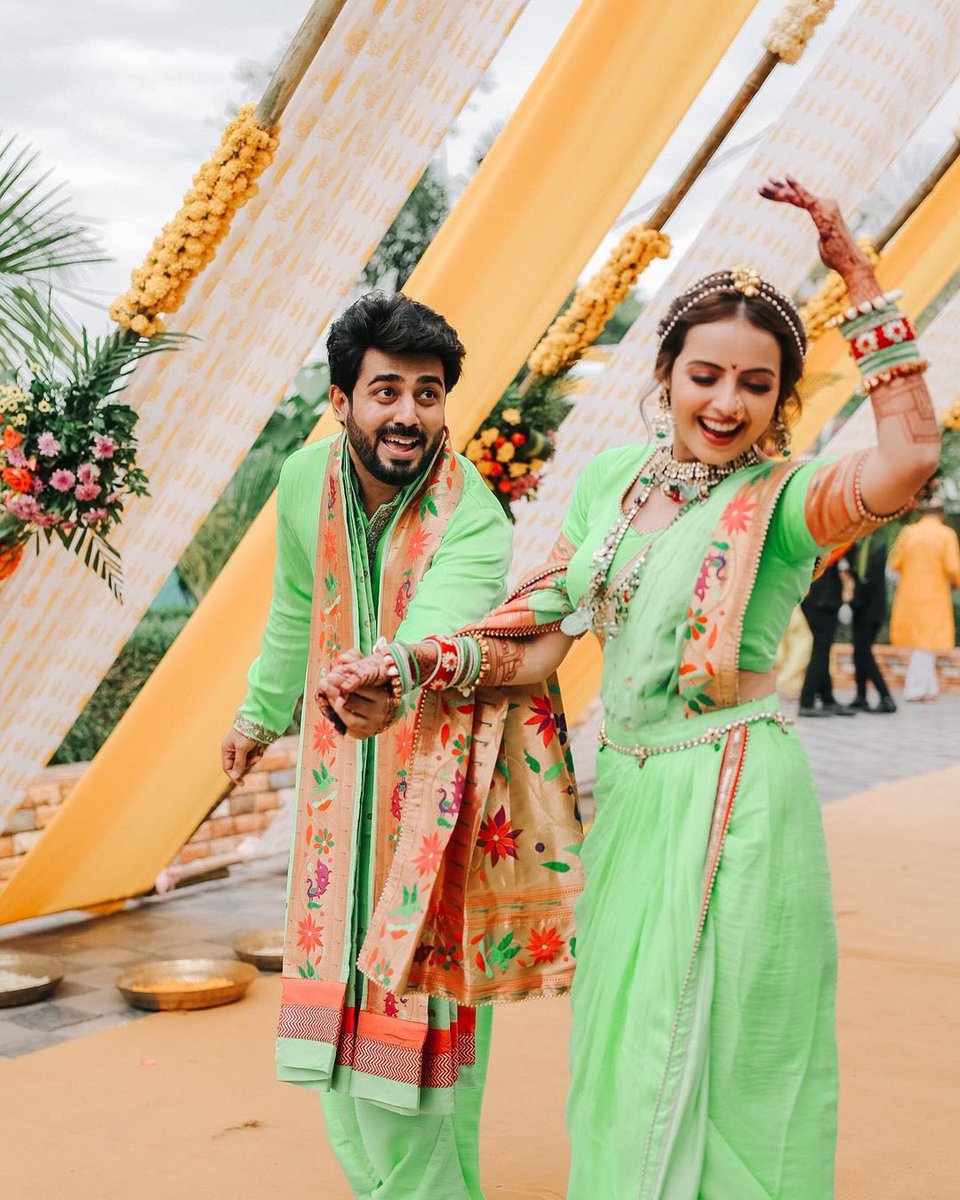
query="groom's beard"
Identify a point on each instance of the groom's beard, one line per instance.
(371, 451)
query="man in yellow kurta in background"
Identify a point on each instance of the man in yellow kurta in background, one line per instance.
(927, 557)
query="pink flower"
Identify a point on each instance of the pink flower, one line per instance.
(48, 445)
(62, 480)
(87, 473)
(103, 447)
(87, 491)
(16, 457)
(23, 507)
(46, 519)
(93, 515)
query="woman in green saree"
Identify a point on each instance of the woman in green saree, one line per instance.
(703, 1051)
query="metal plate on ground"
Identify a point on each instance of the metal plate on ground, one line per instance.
(180, 984)
(26, 978)
(262, 947)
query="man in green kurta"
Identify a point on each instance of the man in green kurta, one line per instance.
(382, 529)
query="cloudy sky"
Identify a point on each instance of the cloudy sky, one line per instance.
(123, 102)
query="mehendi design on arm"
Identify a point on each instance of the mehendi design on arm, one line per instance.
(505, 658)
(907, 400)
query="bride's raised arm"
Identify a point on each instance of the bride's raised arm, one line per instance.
(882, 341)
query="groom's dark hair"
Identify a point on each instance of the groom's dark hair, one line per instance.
(393, 325)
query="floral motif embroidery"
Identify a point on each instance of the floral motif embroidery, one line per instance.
(324, 737)
(542, 717)
(739, 513)
(498, 838)
(416, 545)
(323, 841)
(428, 860)
(310, 934)
(448, 956)
(544, 945)
(403, 742)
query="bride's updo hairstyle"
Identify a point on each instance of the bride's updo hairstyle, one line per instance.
(728, 294)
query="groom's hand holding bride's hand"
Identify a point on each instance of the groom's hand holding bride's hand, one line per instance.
(355, 695)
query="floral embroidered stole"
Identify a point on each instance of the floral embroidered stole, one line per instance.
(709, 668)
(384, 1037)
(478, 906)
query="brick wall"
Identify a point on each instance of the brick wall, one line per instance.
(893, 664)
(245, 812)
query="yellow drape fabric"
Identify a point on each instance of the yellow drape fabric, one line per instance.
(599, 112)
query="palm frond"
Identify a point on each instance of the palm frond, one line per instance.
(32, 328)
(101, 366)
(38, 234)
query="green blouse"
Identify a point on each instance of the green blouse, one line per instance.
(641, 664)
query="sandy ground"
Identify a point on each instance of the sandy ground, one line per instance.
(186, 1104)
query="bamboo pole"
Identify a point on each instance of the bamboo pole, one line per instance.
(900, 218)
(299, 55)
(714, 139)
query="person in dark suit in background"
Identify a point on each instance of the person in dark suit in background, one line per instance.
(867, 560)
(821, 607)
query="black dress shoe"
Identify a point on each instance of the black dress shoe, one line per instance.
(860, 704)
(840, 710)
(811, 710)
(885, 705)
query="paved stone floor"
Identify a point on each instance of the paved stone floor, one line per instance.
(848, 755)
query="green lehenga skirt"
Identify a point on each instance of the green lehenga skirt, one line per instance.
(705, 1073)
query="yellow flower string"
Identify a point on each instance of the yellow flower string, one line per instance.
(831, 299)
(595, 301)
(794, 27)
(187, 243)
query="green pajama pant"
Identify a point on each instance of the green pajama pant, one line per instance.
(388, 1155)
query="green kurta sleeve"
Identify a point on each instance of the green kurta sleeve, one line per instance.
(467, 577)
(276, 677)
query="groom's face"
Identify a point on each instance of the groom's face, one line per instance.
(394, 420)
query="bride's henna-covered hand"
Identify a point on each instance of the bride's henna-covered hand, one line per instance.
(838, 248)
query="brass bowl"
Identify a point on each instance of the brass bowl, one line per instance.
(40, 976)
(262, 947)
(178, 984)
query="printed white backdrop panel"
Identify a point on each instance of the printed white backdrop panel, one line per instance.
(366, 120)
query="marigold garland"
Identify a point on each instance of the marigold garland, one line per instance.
(187, 243)
(794, 27)
(594, 303)
(831, 299)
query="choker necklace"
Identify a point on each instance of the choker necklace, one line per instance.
(681, 480)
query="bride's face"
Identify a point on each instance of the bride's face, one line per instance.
(723, 389)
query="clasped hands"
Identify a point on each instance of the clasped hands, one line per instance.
(356, 696)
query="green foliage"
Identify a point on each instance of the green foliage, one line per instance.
(412, 231)
(147, 645)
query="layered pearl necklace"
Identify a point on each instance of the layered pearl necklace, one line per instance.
(604, 605)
